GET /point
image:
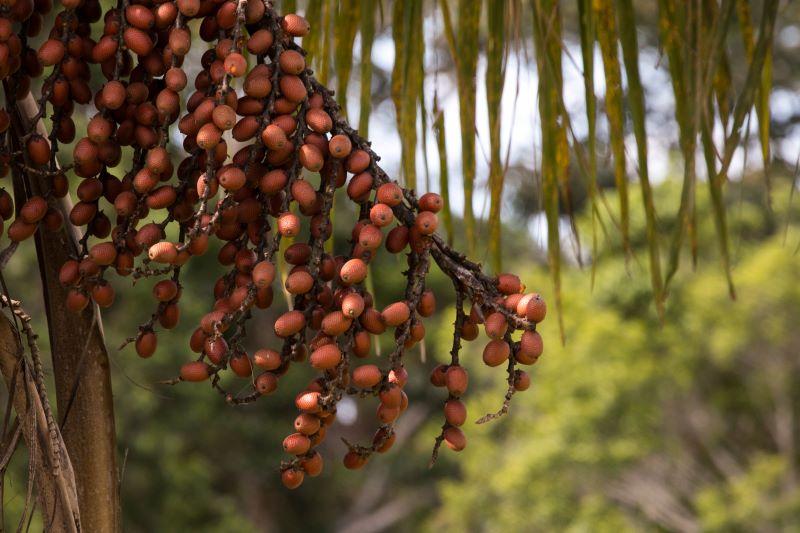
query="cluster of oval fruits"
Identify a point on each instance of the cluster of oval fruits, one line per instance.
(294, 152)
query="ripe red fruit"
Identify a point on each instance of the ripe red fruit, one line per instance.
(536, 309)
(263, 274)
(146, 344)
(456, 380)
(496, 352)
(289, 323)
(427, 304)
(509, 283)
(455, 412)
(266, 383)
(163, 252)
(395, 314)
(312, 465)
(103, 253)
(38, 149)
(292, 478)
(194, 371)
(430, 201)
(455, 439)
(326, 357)
(299, 282)
(165, 290)
(76, 301)
(354, 460)
(103, 294)
(33, 210)
(390, 194)
(358, 161)
(340, 146)
(308, 402)
(367, 376)
(353, 271)
(437, 377)
(306, 423)
(426, 222)
(522, 380)
(51, 52)
(267, 359)
(352, 305)
(296, 444)
(295, 25)
(530, 347)
(496, 325)
(235, 64)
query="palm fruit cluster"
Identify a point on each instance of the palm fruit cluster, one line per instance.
(294, 151)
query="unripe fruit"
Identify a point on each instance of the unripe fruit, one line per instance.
(456, 380)
(455, 439)
(430, 201)
(296, 444)
(289, 323)
(455, 413)
(395, 314)
(530, 347)
(292, 478)
(353, 271)
(496, 352)
(367, 376)
(295, 25)
(326, 357)
(194, 371)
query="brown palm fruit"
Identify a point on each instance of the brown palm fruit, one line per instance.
(326, 357)
(358, 161)
(456, 380)
(367, 376)
(427, 304)
(51, 52)
(165, 290)
(496, 352)
(103, 253)
(387, 415)
(76, 301)
(188, 8)
(535, 308)
(208, 136)
(308, 402)
(266, 383)
(113, 95)
(353, 271)
(194, 371)
(383, 439)
(455, 439)
(319, 121)
(260, 42)
(437, 377)
(103, 295)
(6, 205)
(137, 41)
(370, 237)
(289, 224)
(180, 41)
(381, 215)
(235, 64)
(232, 178)
(69, 273)
(352, 305)
(530, 347)
(289, 323)
(82, 213)
(390, 194)
(139, 16)
(240, 364)
(163, 252)
(371, 320)
(38, 149)
(335, 323)
(395, 314)
(455, 412)
(509, 284)
(496, 325)
(312, 465)
(397, 239)
(273, 182)
(274, 137)
(398, 376)
(522, 380)
(430, 201)
(354, 460)
(224, 117)
(146, 344)
(99, 129)
(360, 186)
(299, 282)
(292, 478)
(292, 62)
(33, 210)
(307, 424)
(295, 25)
(296, 444)
(311, 158)
(292, 88)
(263, 274)
(426, 222)
(340, 146)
